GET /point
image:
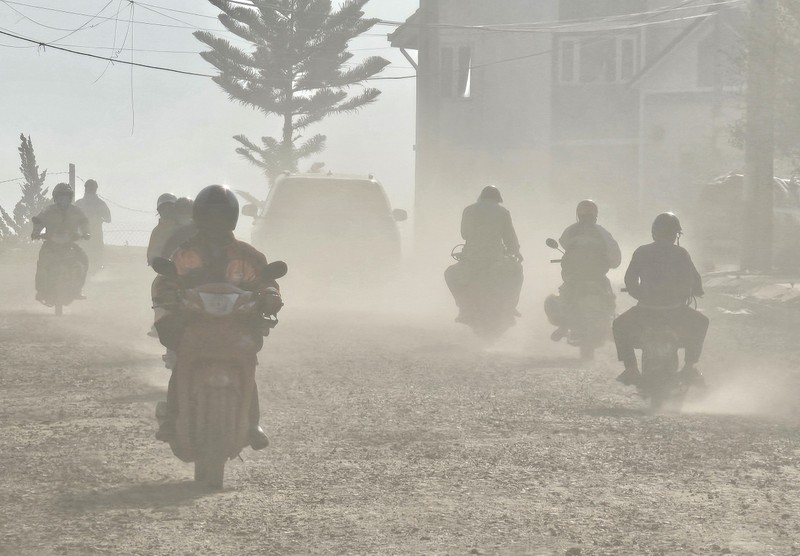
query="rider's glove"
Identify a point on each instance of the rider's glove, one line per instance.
(270, 301)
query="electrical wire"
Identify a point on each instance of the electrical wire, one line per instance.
(115, 53)
(46, 45)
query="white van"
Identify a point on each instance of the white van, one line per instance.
(328, 225)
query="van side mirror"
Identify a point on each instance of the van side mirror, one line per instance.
(164, 267)
(275, 270)
(250, 210)
(551, 243)
(399, 215)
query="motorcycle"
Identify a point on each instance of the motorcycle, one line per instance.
(484, 292)
(215, 373)
(660, 383)
(583, 311)
(64, 271)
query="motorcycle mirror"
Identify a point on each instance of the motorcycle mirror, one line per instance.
(551, 243)
(164, 267)
(275, 270)
(250, 210)
(399, 215)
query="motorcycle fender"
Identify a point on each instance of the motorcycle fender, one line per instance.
(214, 358)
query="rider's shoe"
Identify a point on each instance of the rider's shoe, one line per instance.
(690, 376)
(558, 334)
(630, 376)
(258, 438)
(463, 318)
(166, 431)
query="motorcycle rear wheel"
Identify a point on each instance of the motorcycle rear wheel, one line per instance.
(219, 409)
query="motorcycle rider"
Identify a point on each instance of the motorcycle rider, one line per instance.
(96, 210)
(167, 223)
(61, 220)
(590, 251)
(663, 278)
(489, 236)
(185, 228)
(213, 255)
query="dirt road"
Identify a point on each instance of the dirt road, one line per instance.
(391, 434)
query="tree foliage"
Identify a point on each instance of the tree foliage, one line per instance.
(34, 194)
(297, 67)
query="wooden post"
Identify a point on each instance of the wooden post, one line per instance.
(757, 240)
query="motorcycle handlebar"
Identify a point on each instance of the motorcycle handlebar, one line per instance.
(555, 261)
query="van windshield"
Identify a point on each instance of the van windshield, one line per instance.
(317, 197)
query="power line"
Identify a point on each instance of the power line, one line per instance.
(152, 23)
(95, 56)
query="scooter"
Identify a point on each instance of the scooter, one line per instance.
(483, 291)
(215, 373)
(64, 273)
(585, 319)
(660, 383)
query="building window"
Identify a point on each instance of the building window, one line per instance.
(597, 59)
(456, 72)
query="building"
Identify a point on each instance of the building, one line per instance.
(625, 101)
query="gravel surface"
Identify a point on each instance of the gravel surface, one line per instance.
(394, 435)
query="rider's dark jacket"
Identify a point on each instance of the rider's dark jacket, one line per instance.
(487, 230)
(590, 251)
(61, 221)
(662, 274)
(199, 262)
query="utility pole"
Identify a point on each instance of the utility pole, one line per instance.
(759, 149)
(427, 192)
(72, 176)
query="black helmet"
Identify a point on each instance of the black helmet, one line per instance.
(165, 198)
(63, 190)
(216, 209)
(586, 211)
(491, 193)
(666, 226)
(90, 185)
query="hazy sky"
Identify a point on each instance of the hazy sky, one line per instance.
(80, 110)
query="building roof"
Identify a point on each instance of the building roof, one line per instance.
(407, 35)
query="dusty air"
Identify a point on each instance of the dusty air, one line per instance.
(400, 277)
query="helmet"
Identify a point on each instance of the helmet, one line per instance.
(165, 198)
(184, 204)
(64, 191)
(90, 185)
(666, 226)
(491, 193)
(587, 211)
(216, 210)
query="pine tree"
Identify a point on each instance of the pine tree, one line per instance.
(297, 68)
(34, 195)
